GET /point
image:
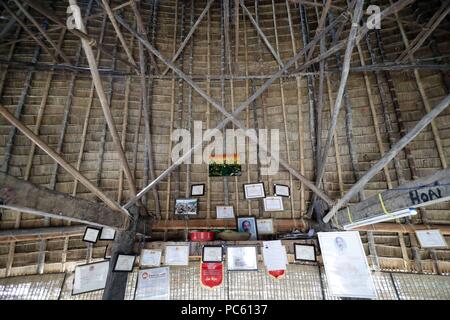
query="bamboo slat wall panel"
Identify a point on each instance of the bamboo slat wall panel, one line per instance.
(37, 287)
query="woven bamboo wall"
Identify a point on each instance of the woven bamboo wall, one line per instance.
(56, 129)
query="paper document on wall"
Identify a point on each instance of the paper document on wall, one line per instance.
(274, 254)
(153, 284)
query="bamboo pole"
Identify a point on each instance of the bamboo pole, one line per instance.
(247, 93)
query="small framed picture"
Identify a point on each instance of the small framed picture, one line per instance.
(265, 226)
(224, 212)
(197, 190)
(273, 204)
(107, 234)
(91, 234)
(247, 224)
(186, 206)
(254, 190)
(281, 190)
(431, 239)
(212, 254)
(304, 252)
(124, 263)
(242, 258)
(150, 258)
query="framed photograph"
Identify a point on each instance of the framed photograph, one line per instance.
(91, 234)
(186, 206)
(247, 224)
(346, 266)
(90, 277)
(304, 252)
(153, 284)
(224, 212)
(242, 258)
(281, 190)
(177, 255)
(224, 165)
(212, 254)
(431, 239)
(107, 234)
(197, 190)
(150, 258)
(254, 190)
(273, 204)
(124, 263)
(265, 226)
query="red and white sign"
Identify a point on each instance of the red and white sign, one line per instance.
(211, 274)
(277, 273)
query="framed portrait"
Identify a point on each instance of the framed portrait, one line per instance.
(177, 255)
(304, 252)
(91, 234)
(431, 239)
(186, 206)
(153, 284)
(197, 190)
(242, 258)
(247, 224)
(346, 266)
(224, 212)
(124, 263)
(90, 277)
(265, 226)
(281, 190)
(254, 190)
(107, 234)
(212, 254)
(150, 258)
(273, 204)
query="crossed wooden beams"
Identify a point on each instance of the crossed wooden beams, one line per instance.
(230, 117)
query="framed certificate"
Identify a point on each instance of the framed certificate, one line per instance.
(254, 190)
(177, 255)
(242, 258)
(91, 234)
(281, 190)
(124, 263)
(107, 234)
(273, 204)
(247, 224)
(90, 277)
(153, 284)
(265, 226)
(304, 252)
(150, 258)
(224, 212)
(212, 254)
(197, 190)
(431, 239)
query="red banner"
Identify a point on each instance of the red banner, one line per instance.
(211, 274)
(277, 273)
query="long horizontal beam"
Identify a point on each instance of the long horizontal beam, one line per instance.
(63, 163)
(396, 148)
(41, 233)
(230, 117)
(24, 196)
(417, 193)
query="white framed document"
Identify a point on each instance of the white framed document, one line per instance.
(177, 255)
(153, 284)
(346, 267)
(90, 277)
(281, 190)
(107, 234)
(254, 190)
(304, 252)
(265, 226)
(224, 212)
(273, 204)
(124, 263)
(91, 234)
(242, 258)
(150, 258)
(197, 190)
(212, 254)
(431, 239)
(274, 254)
